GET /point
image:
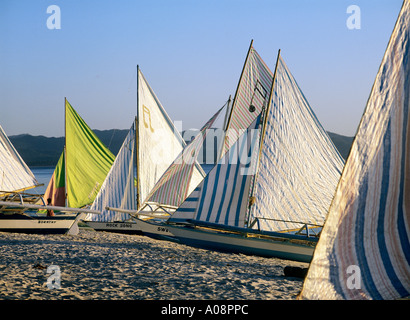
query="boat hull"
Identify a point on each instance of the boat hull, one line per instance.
(150, 228)
(238, 243)
(126, 227)
(157, 230)
(21, 223)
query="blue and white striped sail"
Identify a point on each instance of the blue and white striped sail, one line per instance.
(364, 248)
(222, 197)
(293, 176)
(118, 189)
(299, 166)
(14, 173)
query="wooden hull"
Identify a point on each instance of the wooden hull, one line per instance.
(284, 248)
(23, 223)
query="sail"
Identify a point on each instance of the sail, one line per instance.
(299, 166)
(118, 189)
(295, 176)
(364, 249)
(88, 160)
(251, 95)
(56, 187)
(178, 182)
(15, 175)
(159, 142)
(222, 197)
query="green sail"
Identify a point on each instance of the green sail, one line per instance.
(88, 160)
(59, 173)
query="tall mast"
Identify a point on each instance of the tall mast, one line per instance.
(224, 128)
(225, 124)
(264, 118)
(136, 142)
(65, 151)
(266, 113)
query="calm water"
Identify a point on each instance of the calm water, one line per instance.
(43, 175)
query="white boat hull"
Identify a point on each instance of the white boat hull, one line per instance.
(237, 243)
(150, 228)
(127, 227)
(34, 224)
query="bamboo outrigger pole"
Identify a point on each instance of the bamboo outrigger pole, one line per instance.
(42, 207)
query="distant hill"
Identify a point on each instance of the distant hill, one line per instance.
(41, 151)
(342, 143)
(45, 151)
(38, 150)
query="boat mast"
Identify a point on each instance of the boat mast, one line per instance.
(266, 111)
(263, 120)
(224, 128)
(225, 124)
(136, 142)
(65, 152)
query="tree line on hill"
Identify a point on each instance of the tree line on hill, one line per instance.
(41, 151)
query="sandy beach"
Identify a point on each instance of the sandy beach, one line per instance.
(108, 266)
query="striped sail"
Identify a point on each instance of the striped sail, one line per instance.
(118, 189)
(295, 176)
(178, 182)
(364, 249)
(159, 142)
(14, 173)
(253, 90)
(222, 197)
(299, 166)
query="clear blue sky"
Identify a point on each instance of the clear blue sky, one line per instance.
(190, 51)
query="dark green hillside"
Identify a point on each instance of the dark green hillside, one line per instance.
(342, 143)
(44, 151)
(38, 150)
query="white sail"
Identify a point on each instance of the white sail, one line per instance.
(299, 166)
(159, 142)
(148, 150)
(364, 249)
(15, 175)
(118, 189)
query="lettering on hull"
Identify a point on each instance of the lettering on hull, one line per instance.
(118, 225)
